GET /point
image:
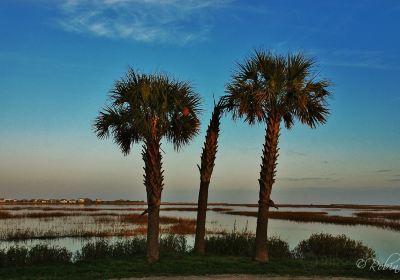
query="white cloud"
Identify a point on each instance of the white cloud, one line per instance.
(371, 59)
(163, 21)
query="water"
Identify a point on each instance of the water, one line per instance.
(384, 241)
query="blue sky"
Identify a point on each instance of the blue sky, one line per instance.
(58, 60)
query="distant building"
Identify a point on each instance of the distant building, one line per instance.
(84, 201)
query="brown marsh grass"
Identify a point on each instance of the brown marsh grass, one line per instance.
(379, 214)
(182, 228)
(5, 215)
(142, 219)
(100, 226)
(34, 215)
(327, 206)
(321, 217)
(70, 212)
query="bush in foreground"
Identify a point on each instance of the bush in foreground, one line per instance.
(318, 246)
(39, 254)
(242, 244)
(133, 247)
(322, 246)
(102, 248)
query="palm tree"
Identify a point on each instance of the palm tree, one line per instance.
(270, 89)
(207, 165)
(148, 108)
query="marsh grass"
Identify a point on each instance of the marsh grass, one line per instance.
(379, 214)
(27, 234)
(142, 219)
(321, 217)
(5, 215)
(101, 226)
(88, 209)
(182, 228)
(84, 222)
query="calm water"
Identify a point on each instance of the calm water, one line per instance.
(383, 241)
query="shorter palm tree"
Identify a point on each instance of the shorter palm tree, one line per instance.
(272, 89)
(148, 108)
(206, 168)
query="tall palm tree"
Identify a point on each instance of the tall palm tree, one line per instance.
(272, 89)
(148, 108)
(207, 165)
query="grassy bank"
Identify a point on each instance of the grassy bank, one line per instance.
(189, 265)
(321, 254)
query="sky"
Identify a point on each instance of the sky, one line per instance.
(60, 58)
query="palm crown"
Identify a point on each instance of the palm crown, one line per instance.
(269, 84)
(148, 107)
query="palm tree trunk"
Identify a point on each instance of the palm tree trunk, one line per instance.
(207, 165)
(267, 178)
(153, 181)
(199, 243)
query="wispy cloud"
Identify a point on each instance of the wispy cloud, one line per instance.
(163, 21)
(295, 153)
(394, 180)
(302, 179)
(383, 170)
(358, 58)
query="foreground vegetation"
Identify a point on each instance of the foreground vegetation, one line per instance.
(189, 265)
(318, 246)
(321, 254)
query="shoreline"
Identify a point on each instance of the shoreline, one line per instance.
(282, 205)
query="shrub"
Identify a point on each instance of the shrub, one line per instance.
(230, 244)
(3, 258)
(242, 244)
(173, 244)
(129, 248)
(327, 246)
(94, 250)
(278, 249)
(37, 255)
(43, 254)
(136, 246)
(16, 256)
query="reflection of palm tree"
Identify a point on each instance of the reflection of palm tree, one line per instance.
(207, 165)
(147, 108)
(271, 89)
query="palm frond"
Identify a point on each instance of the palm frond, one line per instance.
(116, 122)
(273, 84)
(149, 106)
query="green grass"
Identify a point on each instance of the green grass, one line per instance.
(188, 265)
(321, 254)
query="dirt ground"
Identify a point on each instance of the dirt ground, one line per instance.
(242, 277)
